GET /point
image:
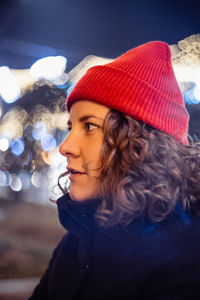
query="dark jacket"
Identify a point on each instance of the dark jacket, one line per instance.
(140, 261)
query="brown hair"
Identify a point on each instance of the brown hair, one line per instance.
(144, 172)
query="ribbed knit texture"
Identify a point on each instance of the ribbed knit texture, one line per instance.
(140, 83)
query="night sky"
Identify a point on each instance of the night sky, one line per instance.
(31, 29)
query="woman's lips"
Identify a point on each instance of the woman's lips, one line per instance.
(74, 173)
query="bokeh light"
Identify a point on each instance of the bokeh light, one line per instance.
(69, 90)
(29, 135)
(1, 109)
(8, 178)
(39, 130)
(4, 144)
(48, 157)
(3, 179)
(25, 178)
(192, 96)
(48, 68)
(16, 183)
(17, 147)
(9, 89)
(197, 91)
(13, 122)
(48, 142)
(37, 179)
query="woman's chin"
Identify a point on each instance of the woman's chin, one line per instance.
(75, 196)
(80, 196)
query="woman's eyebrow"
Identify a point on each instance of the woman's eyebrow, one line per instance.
(85, 118)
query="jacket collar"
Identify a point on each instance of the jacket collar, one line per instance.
(77, 217)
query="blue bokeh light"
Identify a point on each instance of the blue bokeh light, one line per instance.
(25, 178)
(70, 88)
(190, 96)
(8, 178)
(48, 142)
(17, 147)
(2, 178)
(39, 130)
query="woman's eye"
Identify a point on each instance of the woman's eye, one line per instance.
(90, 126)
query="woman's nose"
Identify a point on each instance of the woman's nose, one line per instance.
(69, 147)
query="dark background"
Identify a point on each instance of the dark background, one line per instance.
(31, 29)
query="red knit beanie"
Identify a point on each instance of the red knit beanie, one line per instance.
(140, 83)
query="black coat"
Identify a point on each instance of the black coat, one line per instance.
(140, 261)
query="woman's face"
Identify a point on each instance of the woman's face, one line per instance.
(82, 148)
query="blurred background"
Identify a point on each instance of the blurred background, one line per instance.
(45, 47)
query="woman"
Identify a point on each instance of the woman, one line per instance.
(132, 207)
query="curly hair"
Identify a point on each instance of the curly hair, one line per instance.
(144, 172)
